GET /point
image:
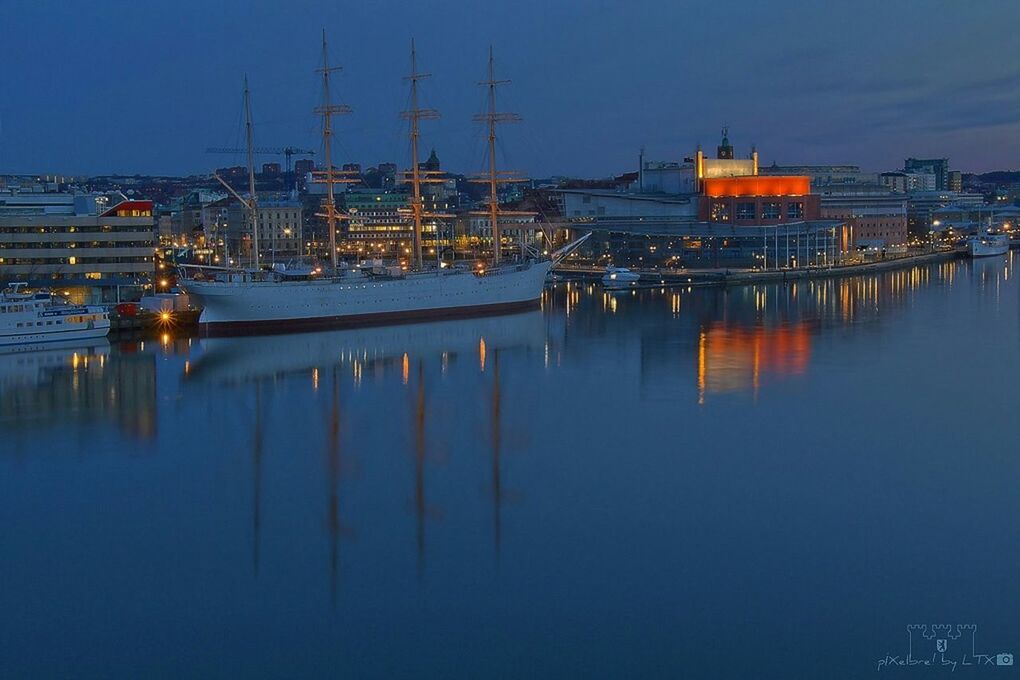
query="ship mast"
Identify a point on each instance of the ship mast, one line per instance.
(330, 176)
(416, 176)
(252, 204)
(495, 177)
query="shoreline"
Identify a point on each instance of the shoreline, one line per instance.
(703, 278)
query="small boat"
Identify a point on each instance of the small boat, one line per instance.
(988, 244)
(43, 317)
(619, 277)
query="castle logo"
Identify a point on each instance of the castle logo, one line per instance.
(944, 645)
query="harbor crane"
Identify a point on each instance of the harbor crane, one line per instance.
(287, 151)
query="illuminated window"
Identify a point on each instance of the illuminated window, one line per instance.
(720, 211)
(770, 211)
(795, 211)
(745, 211)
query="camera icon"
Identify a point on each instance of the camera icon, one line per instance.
(1004, 659)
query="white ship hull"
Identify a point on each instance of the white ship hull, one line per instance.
(352, 300)
(28, 319)
(61, 335)
(988, 245)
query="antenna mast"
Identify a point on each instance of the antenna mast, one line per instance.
(252, 204)
(330, 176)
(495, 177)
(416, 175)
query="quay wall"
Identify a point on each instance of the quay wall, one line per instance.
(730, 277)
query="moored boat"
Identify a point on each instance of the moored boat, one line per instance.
(260, 301)
(988, 244)
(619, 277)
(271, 299)
(27, 318)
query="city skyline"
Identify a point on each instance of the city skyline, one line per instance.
(150, 101)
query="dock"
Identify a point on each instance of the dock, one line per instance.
(671, 278)
(145, 323)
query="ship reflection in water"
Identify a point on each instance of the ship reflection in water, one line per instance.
(57, 384)
(612, 485)
(341, 362)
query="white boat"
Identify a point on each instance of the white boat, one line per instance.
(987, 244)
(239, 301)
(267, 299)
(619, 277)
(28, 318)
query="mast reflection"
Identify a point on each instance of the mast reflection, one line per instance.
(257, 448)
(420, 508)
(496, 444)
(333, 472)
(370, 358)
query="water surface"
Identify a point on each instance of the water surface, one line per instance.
(767, 481)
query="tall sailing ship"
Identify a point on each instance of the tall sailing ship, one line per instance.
(257, 298)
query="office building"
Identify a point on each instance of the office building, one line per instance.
(875, 216)
(921, 206)
(379, 222)
(281, 229)
(91, 247)
(930, 166)
(955, 180)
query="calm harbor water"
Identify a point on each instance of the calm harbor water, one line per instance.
(768, 481)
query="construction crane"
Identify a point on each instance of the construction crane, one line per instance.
(286, 151)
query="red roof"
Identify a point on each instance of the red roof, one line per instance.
(128, 205)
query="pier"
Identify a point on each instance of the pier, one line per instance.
(658, 278)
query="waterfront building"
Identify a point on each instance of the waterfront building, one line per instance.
(726, 215)
(921, 206)
(216, 222)
(475, 231)
(968, 217)
(930, 166)
(875, 216)
(378, 222)
(91, 247)
(758, 200)
(281, 229)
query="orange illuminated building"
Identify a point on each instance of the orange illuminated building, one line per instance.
(732, 191)
(757, 200)
(757, 185)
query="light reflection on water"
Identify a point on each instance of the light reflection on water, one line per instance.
(640, 482)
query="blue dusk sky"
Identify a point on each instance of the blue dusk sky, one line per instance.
(145, 86)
